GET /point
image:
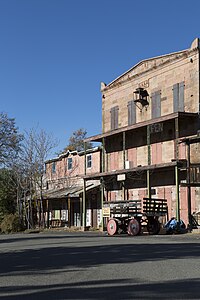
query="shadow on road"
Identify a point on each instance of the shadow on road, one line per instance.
(51, 258)
(109, 289)
(76, 258)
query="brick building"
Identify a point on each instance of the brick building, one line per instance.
(63, 192)
(149, 114)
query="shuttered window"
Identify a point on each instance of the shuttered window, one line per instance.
(114, 117)
(156, 104)
(178, 96)
(131, 112)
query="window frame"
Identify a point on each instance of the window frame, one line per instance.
(69, 163)
(114, 117)
(131, 112)
(53, 167)
(179, 96)
(89, 161)
(156, 104)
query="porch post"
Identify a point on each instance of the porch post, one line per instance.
(102, 199)
(69, 211)
(124, 163)
(149, 161)
(84, 192)
(103, 155)
(84, 205)
(177, 169)
(177, 193)
(124, 149)
(188, 185)
(47, 201)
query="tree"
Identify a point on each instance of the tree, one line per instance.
(10, 143)
(8, 193)
(76, 141)
(9, 139)
(36, 147)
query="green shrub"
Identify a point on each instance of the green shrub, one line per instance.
(10, 224)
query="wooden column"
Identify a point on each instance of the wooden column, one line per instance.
(84, 193)
(124, 149)
(84, 205)
(177, 193)
(177, 169)
(102, 200)
(69, 211)
(149, 161)
(124, 163)
(47, 201)
(188, 186)
(103, 156)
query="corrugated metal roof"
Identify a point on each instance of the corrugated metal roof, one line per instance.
(73, 191)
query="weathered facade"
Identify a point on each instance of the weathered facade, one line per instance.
(63, 194)
(148, 113)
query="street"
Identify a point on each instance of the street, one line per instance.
(92, 265)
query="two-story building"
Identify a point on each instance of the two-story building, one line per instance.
(148, 115)
(63, 192)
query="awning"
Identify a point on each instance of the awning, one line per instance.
(73, 191)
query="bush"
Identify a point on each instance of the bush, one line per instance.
(10, 224)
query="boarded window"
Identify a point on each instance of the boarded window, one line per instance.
(131, 112)
(178, 96)
(114, 117)
(156, 104)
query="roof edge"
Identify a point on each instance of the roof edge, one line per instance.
(195, 44)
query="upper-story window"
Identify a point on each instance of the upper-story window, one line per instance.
(131, 112)
(156, 104)
(69, 163)
(114, 117)
(54, 167)
(178, 96)
(89, 161)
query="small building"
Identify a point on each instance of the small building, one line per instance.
(63, 193)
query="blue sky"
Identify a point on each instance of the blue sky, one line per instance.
(55, 53)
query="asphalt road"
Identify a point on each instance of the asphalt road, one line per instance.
(95, 266)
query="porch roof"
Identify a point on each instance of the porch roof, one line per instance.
(72, 192)
(180, 163)
(192, 140)
(99, 137)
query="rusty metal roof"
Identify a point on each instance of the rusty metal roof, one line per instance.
(73, 191)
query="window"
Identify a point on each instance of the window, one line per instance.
(54, 167)
(69, 163)
(89, 161)
(131, 112)
(156, 104)
(178, 96)
(114, 117)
